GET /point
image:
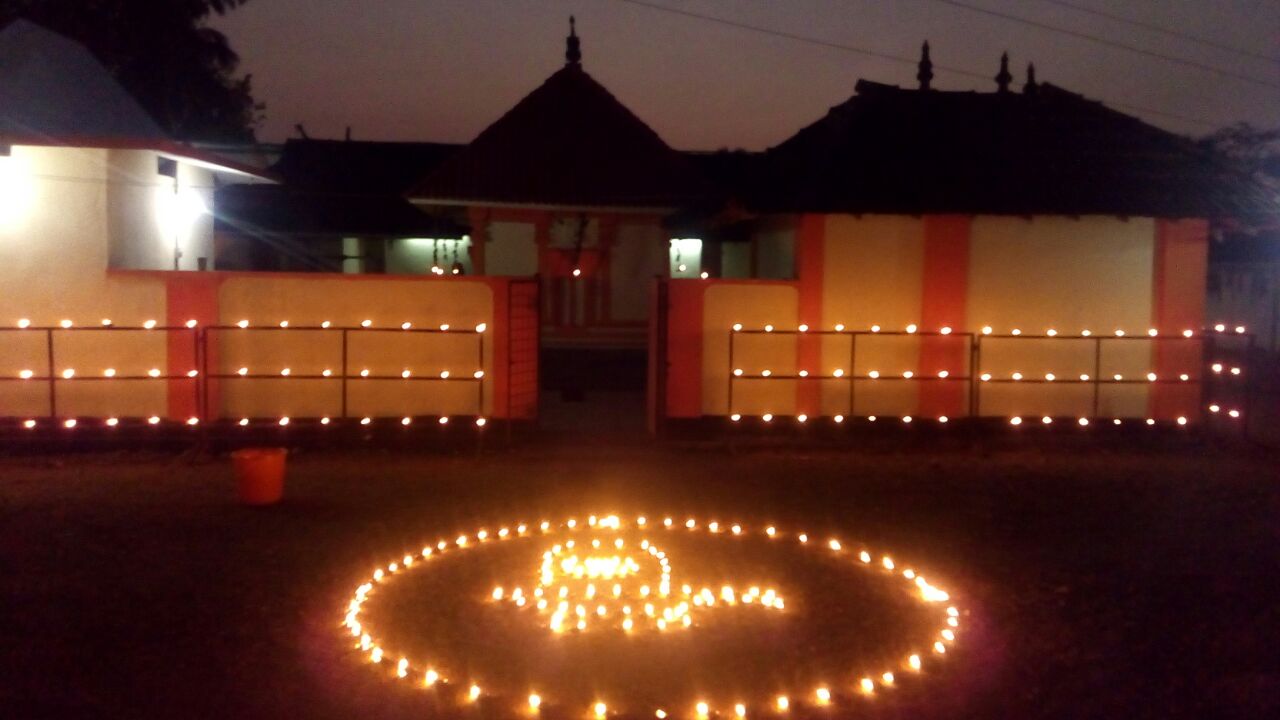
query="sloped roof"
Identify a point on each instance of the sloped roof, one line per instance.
(1050, 151)
(569, 142)
(351, 166)
(52, 88)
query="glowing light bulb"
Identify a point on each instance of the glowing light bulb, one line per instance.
(914, 662)
(430, 678)
(740, 710)
(945, 331)
(1015, 331)
(324, 420)
(873, 374)
(1051, 332)
(912, 328)
(153, 420)
(285, 372)
(1046, 420)
(782, 703)
(535, 701)
(867, 685)
(190, 323)
(481, 422)
(406, 325)
(768, 328)
(1182, 420)
(1119, 333)
(69, 423)
(405, 373)
(767, 417)
(875, 328)
(325, 324)
(943, 419)
(838, 419)
(702, 709)
(192, 373)
(1083, 421)
(600, 709)
(1084, 378)
(406, 420)
(481, 327)
(943, 373)
(326, 372)
(444, 420)
(244, 422)
(112, 422)
(986, 377)
(28, 424)
(1151, 377)
(193, 421)
(737, 327)
(803, 328)
(823, 695)
(26, 374)
(364, 372)
(802, 418)
(65, 323)
(243, 323)
(1187, 333)
(1015, 420)
(1050, 377)
(69, 373)
(838, 372)
(24, 323)
(839, 327)
(474, 692)
(284, 421)
(986, 329)
(444, 327)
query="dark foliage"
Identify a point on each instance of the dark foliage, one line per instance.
(161, 51)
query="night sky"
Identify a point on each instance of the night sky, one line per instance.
(442, 70)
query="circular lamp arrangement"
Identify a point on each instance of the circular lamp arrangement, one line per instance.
(597, 580)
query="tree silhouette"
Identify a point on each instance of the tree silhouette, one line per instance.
(179, 69)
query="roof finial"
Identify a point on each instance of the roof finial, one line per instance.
(1003, 78)
(572, 53)
(926, 67)
(1030, 87)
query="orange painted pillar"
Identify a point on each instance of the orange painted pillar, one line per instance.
(810, 246)
(1180, 267)
(684, 348)
(944, 303)
(189, 296)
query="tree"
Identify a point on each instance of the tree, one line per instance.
(179, 69)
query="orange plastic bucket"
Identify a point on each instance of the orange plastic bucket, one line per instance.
(259, 475)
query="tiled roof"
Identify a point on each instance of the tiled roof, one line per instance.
(569, 142)
(892, 150)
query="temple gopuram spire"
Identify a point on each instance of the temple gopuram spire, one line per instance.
(925, 74)
(573, 50)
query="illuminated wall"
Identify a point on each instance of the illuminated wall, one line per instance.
(387, 302)
(53, 260)
(1034, 275)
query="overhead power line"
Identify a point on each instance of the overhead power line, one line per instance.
(1111, 43)
(1166, 31)
(886, 56)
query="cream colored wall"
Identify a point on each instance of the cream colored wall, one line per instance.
(53, 261)
(872, 267)
(1032, 274)
(426, 303)
(512, 249)
(1068, 274)
(753, 305)
(637, 256)
(145, 216)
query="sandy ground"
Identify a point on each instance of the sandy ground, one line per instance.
(1097, 581)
